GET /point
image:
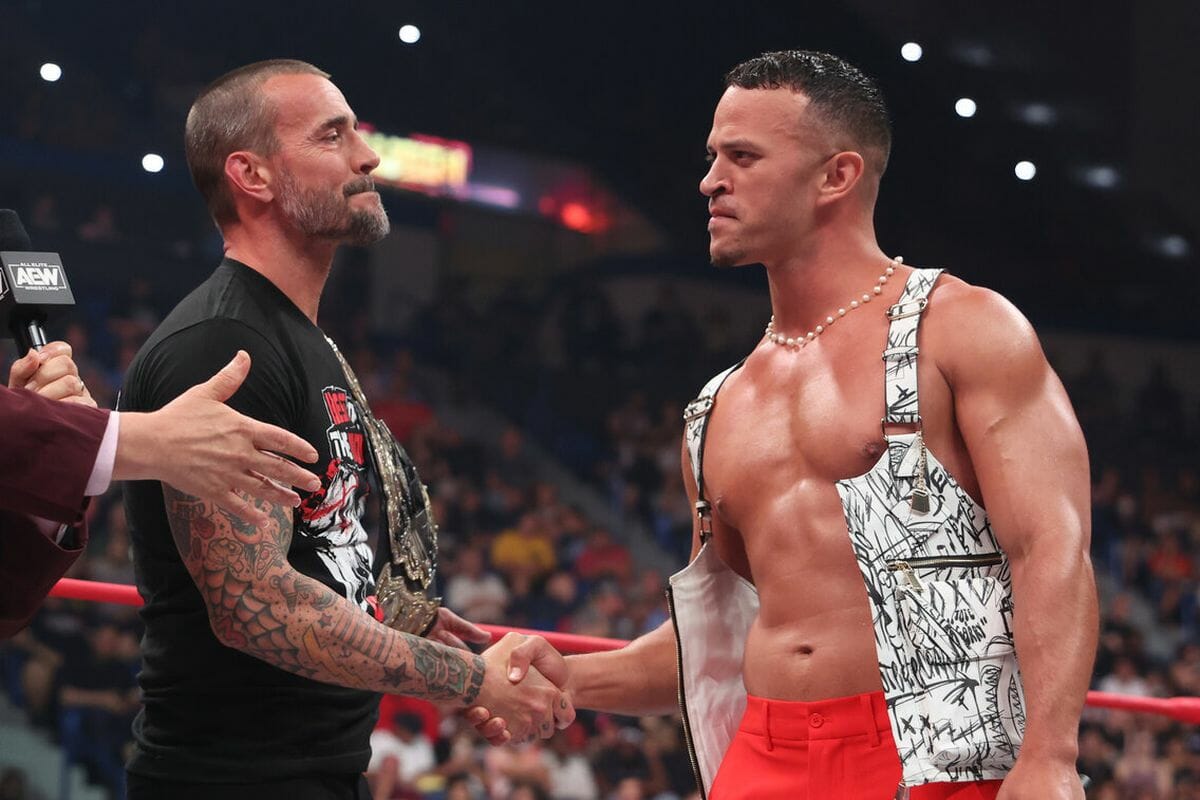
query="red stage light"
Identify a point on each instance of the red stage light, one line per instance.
(578, 217)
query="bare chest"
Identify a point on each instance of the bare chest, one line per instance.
(784, 431)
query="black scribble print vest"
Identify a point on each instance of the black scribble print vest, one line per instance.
(939, 585)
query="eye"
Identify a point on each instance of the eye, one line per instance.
(710, 157)
(332, 136)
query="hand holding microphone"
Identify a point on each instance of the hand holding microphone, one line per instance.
(51, 373)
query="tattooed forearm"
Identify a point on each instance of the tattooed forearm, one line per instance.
(260, 605)
(364, 635)
(447, 673)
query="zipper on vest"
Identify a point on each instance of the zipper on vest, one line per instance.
(687, 727)
(920, 495)
(908, 567)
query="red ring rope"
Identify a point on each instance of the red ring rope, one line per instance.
(1184, 709)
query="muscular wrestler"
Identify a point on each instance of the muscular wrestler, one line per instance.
(878, 647)
(262, 658)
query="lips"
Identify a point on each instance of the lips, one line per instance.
(359, 187)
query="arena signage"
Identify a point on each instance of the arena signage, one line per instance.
(421, 163)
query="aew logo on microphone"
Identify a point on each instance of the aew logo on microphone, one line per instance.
(39, 276)
(36, 278)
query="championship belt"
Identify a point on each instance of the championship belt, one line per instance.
(405, 582)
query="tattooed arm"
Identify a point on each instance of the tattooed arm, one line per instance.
(258, 604)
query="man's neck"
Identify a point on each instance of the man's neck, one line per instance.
(814, 283)
(297, 265)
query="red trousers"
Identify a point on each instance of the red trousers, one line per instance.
(839, 749)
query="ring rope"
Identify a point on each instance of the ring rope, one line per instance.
(1184, 709)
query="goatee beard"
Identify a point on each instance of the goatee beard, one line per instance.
(325, 215)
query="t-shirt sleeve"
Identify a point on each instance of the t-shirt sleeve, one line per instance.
(195, 354)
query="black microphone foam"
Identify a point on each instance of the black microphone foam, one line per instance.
(12, 232)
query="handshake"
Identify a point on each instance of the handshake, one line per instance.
(526, 691)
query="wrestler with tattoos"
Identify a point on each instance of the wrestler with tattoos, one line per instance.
(263, 659)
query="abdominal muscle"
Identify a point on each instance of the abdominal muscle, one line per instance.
(813, 637)
(811, 659)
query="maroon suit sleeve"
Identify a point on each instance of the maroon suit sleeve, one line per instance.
(30, 565)
(46, 454)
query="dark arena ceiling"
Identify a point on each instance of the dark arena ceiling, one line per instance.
(1099, 96)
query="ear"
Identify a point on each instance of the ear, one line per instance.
(843, 172)
(249, 176)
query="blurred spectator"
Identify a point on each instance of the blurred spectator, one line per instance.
(561, 600)
(591, 334)
(525, 550)
(99, 698)
(516, 768)
(112, 564)
(14, 785)
(619, 756)
(399, 405)
(604, 558)
(400, 754)
(101, 226)
(1125, 679)
(670, 766)
(512, 460)
(475, 593)
(44, 218)
(567, 767)
(1160, 406)
(134, 314)
(460, 787)
(1138, 771)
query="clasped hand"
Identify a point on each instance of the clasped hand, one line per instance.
(524, 692)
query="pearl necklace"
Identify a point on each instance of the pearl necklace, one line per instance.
(802, 341)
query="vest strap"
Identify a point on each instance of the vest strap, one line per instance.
(900, 355)
(695, 430)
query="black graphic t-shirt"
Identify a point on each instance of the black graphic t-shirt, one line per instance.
(212, 713)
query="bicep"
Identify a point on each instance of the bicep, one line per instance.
(1025, 444)
(226, 557)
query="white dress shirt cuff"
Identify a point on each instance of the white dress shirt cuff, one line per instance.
(103, 469)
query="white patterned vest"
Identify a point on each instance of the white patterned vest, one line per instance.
(938, 583)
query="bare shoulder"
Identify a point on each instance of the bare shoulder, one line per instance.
(971, 330)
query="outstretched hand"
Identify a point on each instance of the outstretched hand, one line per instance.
(202, 447)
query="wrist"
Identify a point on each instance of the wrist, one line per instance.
(135, 446)
(1064, 753)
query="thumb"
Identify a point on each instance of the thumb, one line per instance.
(22, 369)
(537, 652)
(221, 387)
(518, 662)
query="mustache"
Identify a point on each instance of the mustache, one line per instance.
(364, 184)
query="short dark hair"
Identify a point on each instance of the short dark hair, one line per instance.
(232, 114)
(842, 95)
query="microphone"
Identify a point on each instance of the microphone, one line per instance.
(31, 283)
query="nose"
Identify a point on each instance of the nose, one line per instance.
(367, 159)
(713, 183)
